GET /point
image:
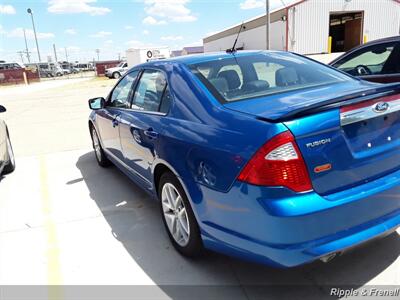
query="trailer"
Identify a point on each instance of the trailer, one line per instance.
(135, 56)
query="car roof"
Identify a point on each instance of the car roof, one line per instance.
(203, 57)
(384, 40)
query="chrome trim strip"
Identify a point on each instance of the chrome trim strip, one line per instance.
(368, 112)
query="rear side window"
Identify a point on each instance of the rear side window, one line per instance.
(151, 92)
(241, 77)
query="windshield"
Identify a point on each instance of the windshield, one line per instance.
(258, 75)
(121, 64)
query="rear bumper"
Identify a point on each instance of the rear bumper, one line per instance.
(277, 227)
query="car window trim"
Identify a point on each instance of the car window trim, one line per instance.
(136, 85)
(162, 96)
(380, 75)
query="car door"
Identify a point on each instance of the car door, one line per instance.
(377, 63)
(108, 119)
(125, 67)
(141, 126)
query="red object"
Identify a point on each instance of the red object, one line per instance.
(278, 163)
(101, 66)
(16, 76)
(322, 168)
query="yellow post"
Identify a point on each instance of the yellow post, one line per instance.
(25, 79)
(329, 44)
(365, 38)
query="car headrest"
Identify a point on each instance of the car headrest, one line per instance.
(286, 76)
(256, 86)
(220, 84)
(232, 77)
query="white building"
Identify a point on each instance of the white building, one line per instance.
(305, 26)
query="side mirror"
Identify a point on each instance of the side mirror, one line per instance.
(97, 103)
(2, 109)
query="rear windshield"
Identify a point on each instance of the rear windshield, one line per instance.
(258, 75)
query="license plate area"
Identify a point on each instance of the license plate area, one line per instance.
(372, 133)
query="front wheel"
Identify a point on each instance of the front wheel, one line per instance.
(101, 157)
(10, 167)
(178, 216)
(116, 75)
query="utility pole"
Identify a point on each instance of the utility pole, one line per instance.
(66, 53)
(268, 23)
(21, 55)
(98, 54)
(26, 48)
(34, 32)
(55, 52)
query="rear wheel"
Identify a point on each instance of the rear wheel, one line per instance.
(116, 75)
(10, 167)
(178, 216)
(101, 158)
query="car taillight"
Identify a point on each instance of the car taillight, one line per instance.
(278, 163)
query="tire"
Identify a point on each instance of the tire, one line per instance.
(116, 75)
(188, 241)
(101, 157)
(10, 166)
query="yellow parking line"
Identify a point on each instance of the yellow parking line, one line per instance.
(53, 253)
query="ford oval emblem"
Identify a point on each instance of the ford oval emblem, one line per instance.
(381, 107)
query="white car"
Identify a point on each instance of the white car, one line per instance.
(117, 71)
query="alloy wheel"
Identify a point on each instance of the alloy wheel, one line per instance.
(96, 144)
(175, 214)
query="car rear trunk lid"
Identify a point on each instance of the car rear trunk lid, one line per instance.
(350, 142)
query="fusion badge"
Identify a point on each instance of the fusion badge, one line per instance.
(318, 143)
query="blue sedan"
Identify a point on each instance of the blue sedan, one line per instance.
(268, 156)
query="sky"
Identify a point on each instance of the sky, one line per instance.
(78, 27)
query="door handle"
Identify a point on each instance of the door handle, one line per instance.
(150, 133)
(115, 121)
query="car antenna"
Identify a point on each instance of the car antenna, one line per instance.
(233, 49)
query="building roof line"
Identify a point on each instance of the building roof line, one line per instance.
(276, 10)
(226, 31)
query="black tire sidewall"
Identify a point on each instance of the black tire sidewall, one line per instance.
(10, 166)
(103, 161)
(195, 246)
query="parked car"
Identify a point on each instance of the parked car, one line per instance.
(46, 73)
(269, 156)
(377, 61)
(117, 71)
(83, 67)
(7, 160)
(47, 69)
(11, 66)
